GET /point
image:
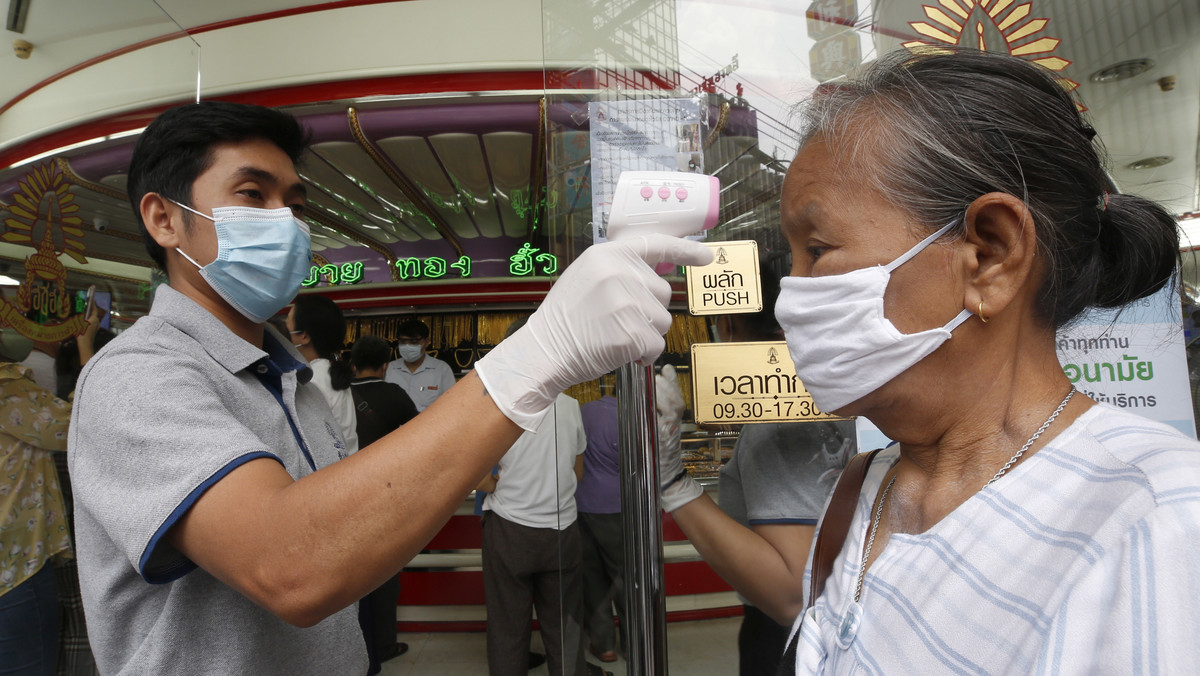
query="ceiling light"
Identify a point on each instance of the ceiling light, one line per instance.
(5, 280)
(1122, 70)
(75, 146)
(1150, 162)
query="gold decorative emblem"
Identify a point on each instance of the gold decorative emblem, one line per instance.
(42, 215)
(991, 25)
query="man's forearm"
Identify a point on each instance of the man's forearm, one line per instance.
(308, 548)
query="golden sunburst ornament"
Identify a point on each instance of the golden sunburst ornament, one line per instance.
(44, 198)
(42, 214)
(993, 25)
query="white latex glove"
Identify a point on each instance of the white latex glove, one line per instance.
(677, 487)
(607, 309)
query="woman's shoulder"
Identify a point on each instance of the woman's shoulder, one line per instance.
(1129, 447)
(1129, 435)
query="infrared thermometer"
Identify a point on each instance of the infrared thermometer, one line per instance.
(665, 202)
(675, 204)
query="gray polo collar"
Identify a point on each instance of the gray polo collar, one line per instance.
(426, 364)
(226, 348)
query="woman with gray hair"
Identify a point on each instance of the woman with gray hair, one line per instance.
(947, 213)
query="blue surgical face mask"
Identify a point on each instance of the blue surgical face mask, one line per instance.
(262, 256)
(410, 353)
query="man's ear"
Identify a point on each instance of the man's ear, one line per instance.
(1001, 249)
(156, 213)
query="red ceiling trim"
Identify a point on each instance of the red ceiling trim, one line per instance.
(282, 13)
(395, 85)
(217, 25)
(289, 95)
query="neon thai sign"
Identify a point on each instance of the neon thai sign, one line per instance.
(528, 261)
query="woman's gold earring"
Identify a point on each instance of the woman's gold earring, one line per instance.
(981, 317)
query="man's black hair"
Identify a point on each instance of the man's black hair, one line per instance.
(370, 353)
(413, 328)
(177, 147)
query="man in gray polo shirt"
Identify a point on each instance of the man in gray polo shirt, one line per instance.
(217, 531)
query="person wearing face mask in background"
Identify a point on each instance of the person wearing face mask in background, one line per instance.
(317, 328)
(219, 529)
(423, 377)
(947, 214)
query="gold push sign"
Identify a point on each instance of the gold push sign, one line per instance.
(735, 383)
(728, 285)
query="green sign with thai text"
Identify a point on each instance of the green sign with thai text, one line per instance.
(528, 261)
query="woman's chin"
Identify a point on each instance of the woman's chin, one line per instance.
(853, 409)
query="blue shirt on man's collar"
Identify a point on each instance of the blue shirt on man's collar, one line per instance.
(286, 359)
(223, 345)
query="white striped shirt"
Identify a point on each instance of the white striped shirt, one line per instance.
(1083, 559)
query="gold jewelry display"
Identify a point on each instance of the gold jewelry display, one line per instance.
(464, 357)
(685, 331)
(584, 392)
(685, 384)
(468, 336)
(492, 327)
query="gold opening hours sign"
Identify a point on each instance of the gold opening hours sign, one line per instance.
(736, 383)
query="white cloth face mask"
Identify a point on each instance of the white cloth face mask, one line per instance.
(843, 346)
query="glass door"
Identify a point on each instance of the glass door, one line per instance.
(708, 87)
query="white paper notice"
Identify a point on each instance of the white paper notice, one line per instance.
(644, 135)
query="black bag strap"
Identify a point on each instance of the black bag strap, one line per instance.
(836, 523)
(830, 540)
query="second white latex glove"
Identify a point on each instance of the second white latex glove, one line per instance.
(676, 486)
(607, 309)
